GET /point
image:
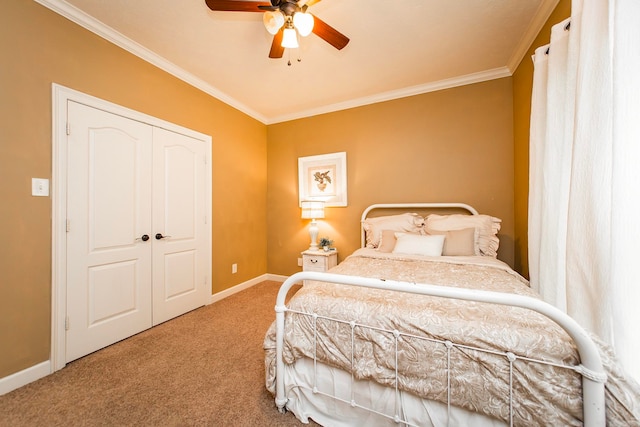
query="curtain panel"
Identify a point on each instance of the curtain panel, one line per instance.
(584, 239)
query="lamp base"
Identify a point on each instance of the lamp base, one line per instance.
(313, 233)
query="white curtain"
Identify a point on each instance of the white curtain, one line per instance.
(584, 189)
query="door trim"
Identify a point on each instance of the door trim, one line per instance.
(60, 97)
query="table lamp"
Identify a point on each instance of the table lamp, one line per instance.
(313, 209)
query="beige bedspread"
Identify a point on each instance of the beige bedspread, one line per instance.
(479, 381)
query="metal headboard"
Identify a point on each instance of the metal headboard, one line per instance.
(365, 213)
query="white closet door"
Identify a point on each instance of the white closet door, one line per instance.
(108, 213)
(179, 220)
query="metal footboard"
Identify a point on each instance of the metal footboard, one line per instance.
(591, 370)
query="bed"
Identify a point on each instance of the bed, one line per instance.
(423, 325)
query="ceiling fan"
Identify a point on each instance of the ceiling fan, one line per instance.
(283, 18)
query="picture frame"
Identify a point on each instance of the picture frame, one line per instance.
(323, 177)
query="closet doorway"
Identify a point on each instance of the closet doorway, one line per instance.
(134, 250)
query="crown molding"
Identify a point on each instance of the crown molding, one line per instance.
(496, 73)
(535, 26)
(99, 28)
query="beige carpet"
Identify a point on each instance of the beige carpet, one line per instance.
(205, 368)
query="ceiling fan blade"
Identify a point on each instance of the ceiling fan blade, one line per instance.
(277, 50)
(329, 34)
(237, 5)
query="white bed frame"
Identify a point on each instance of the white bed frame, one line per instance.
(591, 370)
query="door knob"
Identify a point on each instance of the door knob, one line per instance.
(144, 237)
(160, 236)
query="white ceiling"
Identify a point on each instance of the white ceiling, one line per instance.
(397, 48)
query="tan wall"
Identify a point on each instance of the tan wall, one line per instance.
(39, 47)
(450, 145)
(522, 85)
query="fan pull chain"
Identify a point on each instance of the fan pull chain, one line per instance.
(299, 59)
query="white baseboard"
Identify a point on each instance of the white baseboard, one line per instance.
(24, 377)
(277, 277)
(245, 285)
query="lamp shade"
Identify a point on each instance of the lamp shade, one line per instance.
(312, 209)
(290, 38)
(303, 23)
(273, 21)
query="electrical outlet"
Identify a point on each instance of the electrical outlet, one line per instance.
(234, 268)
(299, 262)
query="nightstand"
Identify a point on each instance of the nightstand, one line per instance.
(319, 260)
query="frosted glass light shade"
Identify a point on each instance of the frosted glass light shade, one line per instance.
(303, 23)
(289, 38)
(273, 20)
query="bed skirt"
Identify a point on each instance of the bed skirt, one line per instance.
(327, 411)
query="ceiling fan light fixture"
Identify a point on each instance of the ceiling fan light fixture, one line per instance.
(279, 19)
(273, 21)
(290, 38)
(303, 23)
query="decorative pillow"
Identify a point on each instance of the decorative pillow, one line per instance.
(486, 226)
(417, 244)
(387, 241)
(408, 222)
(458, 242)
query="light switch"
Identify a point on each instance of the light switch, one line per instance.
(39, 187)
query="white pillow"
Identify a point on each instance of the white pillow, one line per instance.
(416, 244)
(409, 222)
(487, 227)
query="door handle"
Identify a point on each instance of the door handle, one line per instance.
(144, 237)
(159, 236)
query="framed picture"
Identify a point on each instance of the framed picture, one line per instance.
(323, 177)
